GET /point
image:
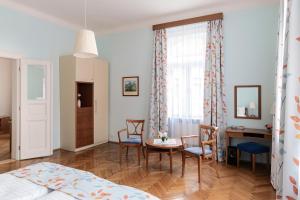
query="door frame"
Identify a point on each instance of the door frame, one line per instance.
(15, 138)
(15, 135)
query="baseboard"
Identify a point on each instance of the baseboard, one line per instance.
(113, 142)
(90, 146)
(57, 149)
(7, 161)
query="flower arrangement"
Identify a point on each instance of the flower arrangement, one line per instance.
(269, 126)
(163, 136)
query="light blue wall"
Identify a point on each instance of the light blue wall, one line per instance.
(250, 49)
(37, 39)
(250, 38)
(129, 54)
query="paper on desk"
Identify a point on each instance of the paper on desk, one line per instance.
(167, 142)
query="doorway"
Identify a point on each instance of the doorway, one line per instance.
(7, 103)
(28, 118)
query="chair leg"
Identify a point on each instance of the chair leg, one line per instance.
(183, 163)
(127, 152)
(199, 168)
(143, 149)
(160, 157)
(120, 154)
(139, 154)
(217, 168)
(238, 158)
(171, 162)
(253, 162)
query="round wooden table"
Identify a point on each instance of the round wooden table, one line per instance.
(162, 148)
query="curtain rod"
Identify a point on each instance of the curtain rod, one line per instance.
(188, 21)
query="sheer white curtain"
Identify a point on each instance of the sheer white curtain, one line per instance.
(186, 48)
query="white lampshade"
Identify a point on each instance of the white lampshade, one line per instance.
(252, 105)
(85, 46)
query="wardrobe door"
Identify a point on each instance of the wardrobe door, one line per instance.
(84, 114)
(84, 70)
(101, 101)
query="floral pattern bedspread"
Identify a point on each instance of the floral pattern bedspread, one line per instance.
(77, 183)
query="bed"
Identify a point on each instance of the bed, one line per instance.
(50, 181)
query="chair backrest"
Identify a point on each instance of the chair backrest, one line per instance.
(135, 127)
(207, 133)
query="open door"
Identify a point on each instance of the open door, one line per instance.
(35, 126)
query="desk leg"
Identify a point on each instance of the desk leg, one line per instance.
(171, 167)
(227, 144)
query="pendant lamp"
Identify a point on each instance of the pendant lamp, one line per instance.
(85, 46)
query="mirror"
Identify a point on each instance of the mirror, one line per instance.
(247, 101)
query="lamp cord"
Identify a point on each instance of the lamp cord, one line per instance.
(85, 5)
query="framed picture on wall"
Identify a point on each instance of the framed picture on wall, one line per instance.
(130, 86)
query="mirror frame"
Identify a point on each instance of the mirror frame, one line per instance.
(259, 101)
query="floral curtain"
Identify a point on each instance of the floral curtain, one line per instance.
(158, 99)
(285, 172)
(214, 91)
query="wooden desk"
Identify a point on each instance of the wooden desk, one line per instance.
(246, 133)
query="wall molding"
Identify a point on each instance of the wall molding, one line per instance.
(38, 14)
(205, 10)
(216, 8)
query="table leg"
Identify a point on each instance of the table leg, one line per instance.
(171, 167)
(160, 157)
(147, 156)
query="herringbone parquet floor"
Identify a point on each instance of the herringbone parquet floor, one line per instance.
(233, 184)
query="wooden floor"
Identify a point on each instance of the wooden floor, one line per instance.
(4, 146)
(234, 184)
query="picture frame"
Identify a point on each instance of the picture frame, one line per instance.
(130, 86)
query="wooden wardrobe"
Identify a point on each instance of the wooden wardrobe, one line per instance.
(84, 124)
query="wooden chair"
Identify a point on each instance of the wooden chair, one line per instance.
(134, 137)
(204, 148)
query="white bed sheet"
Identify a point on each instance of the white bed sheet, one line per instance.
(13, 188)
(56, 195)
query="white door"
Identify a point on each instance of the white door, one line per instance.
(35, 131)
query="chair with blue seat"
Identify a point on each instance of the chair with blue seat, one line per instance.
(253, 148)
(202, 147)
(134, 137)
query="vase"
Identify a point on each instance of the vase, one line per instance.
(79, 103)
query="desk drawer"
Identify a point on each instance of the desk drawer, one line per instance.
(234, 134)
(268, 136)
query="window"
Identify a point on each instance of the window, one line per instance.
(186, 47)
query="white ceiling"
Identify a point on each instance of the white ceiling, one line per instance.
(108, 15)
